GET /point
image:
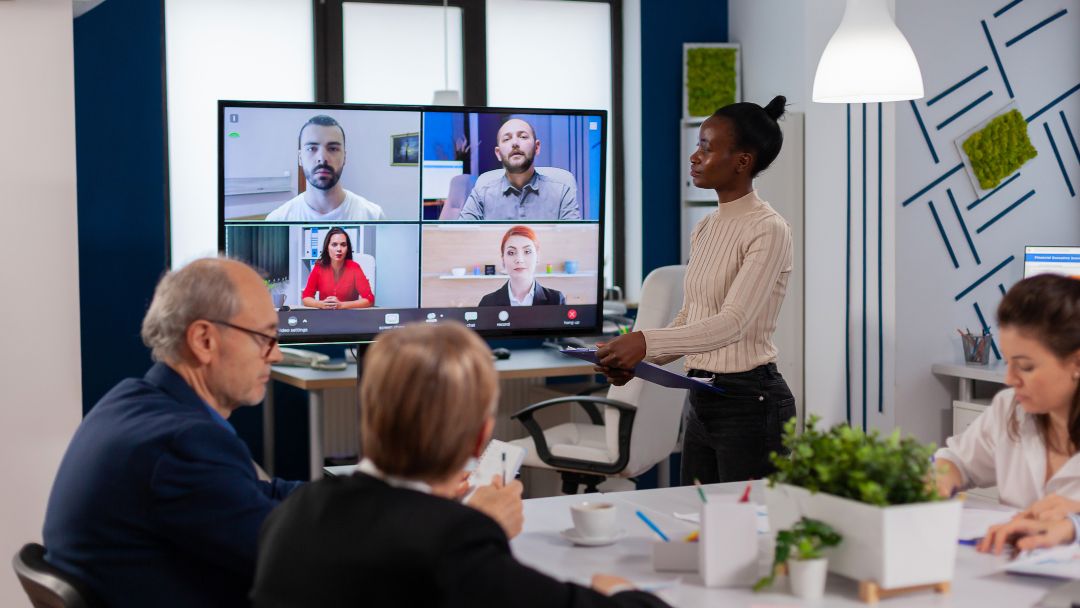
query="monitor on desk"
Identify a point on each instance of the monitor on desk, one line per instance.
(1052, 260)
(363, 218)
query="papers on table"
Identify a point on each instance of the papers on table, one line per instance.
(974, 521)
(1057, 562)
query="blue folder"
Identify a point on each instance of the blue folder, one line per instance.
(650, 373)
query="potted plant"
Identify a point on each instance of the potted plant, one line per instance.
(878, 493)
(800, 548)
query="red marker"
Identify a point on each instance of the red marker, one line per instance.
(746, 493)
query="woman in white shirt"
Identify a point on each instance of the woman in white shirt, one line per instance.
(1026, 443)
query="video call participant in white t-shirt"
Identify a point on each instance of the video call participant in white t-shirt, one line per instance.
(322, 157)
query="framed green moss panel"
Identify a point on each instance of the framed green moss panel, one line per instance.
(712, 77)
(996, 148)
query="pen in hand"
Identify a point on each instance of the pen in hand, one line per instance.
(505, 480)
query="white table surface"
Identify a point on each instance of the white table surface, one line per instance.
(976, 582)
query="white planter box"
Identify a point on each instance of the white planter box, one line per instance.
(895, 547)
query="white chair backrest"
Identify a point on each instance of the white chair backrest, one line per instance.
(659, 409)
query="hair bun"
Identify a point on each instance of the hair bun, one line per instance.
(775, 109)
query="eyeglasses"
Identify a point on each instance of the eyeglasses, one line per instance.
(258, 336)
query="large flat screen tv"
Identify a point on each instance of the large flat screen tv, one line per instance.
(365, 217)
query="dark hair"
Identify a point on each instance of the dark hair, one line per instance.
(323, 121)
(756, 130)
(324, 258)
(1046, 307)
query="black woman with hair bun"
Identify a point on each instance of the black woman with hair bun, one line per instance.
(740, 260)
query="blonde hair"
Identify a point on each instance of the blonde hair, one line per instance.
(427, 391)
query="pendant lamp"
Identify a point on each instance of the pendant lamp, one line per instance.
(446, 96)
(867, 60)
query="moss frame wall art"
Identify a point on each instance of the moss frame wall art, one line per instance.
(712, 77)
(996, 149)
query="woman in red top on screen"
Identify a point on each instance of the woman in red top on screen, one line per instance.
(339, 281)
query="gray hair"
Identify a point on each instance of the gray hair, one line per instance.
(200, 290)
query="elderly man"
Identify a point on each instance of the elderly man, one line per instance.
(157, 502)
(521, 193)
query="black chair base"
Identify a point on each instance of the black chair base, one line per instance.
(571, 481)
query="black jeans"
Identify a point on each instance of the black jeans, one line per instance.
(729, 435)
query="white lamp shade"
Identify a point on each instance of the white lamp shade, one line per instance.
(867, 60)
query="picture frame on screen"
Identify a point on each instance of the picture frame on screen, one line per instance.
(490, 217)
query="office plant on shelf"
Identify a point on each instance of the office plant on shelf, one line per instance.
(878, 493)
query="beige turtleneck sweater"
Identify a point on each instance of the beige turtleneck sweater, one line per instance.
(740, 259)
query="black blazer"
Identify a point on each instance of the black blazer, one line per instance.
(541, 296)
(356, 541)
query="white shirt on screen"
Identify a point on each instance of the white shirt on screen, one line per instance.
(526, 301)
(987, 455)
(353, 208)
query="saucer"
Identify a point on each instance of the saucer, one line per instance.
(571, 535)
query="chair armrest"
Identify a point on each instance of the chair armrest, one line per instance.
(626, 425)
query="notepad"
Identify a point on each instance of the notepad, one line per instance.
(1057, 562)
(492, 463)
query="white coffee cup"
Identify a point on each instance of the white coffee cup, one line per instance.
(594, 519)
(458, 271)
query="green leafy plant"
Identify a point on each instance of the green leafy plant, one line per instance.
(806, 538)
(999, 148)
(710, 79)
(846, 462)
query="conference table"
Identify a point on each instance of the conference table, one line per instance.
(524, 367)
(977, 581)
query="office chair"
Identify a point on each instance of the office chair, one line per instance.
(630, 429)
(46, 586)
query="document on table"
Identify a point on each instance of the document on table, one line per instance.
(1056, 562)
(974, 521)
(650, 373)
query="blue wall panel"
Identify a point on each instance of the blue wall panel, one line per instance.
(665, 26)
(120, 155)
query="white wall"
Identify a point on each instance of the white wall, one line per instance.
(632, 147)
(39, 364)
(950, 44)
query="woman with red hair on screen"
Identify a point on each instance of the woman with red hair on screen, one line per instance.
(519, 252)
(337, 278)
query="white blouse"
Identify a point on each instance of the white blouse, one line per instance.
(986, 456)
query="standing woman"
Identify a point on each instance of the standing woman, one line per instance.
(740, 259)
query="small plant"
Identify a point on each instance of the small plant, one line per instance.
(806, 539)
(999, 149)
(846, 462)
(710, 79)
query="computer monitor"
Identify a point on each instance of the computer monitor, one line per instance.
(365, 217)
(1052, 260)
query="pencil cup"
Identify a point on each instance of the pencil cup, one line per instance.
(976, 348)
(728, 549)
(675, 556)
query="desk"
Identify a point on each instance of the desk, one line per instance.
(534, 363)
(975, 582)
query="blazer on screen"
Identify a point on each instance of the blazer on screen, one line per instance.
(541, 296)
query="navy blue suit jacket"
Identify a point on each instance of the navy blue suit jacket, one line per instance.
(156, 502)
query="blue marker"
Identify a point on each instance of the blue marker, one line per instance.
(652, 526)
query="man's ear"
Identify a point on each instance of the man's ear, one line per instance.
(484, 437)
(498, 154)
(536, 149)
(299, 160)
(202, 340)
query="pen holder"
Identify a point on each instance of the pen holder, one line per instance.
(976, 348)
(728, 549)
(675, 556)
